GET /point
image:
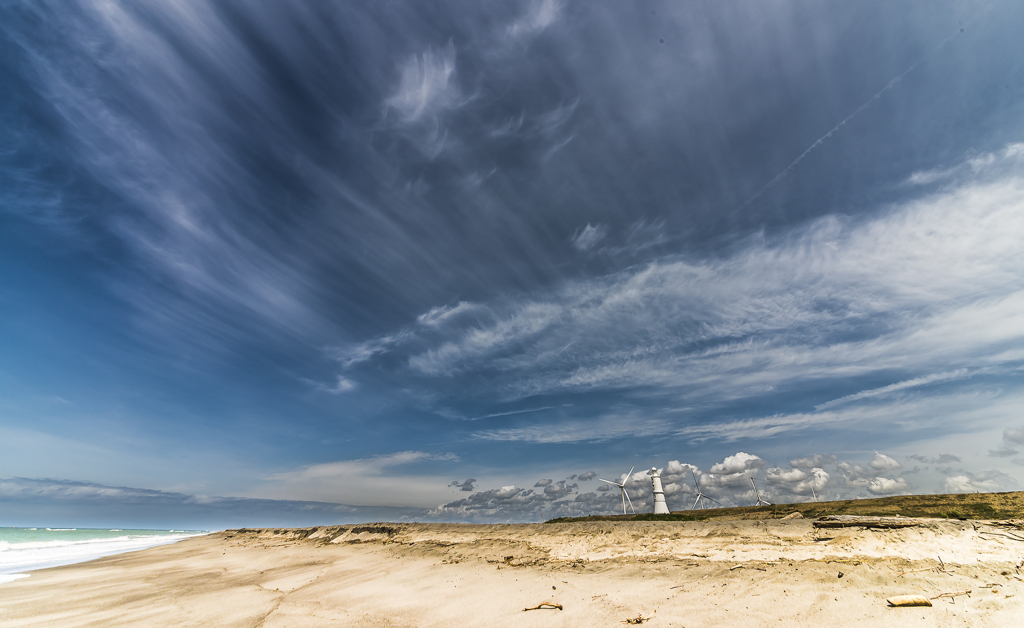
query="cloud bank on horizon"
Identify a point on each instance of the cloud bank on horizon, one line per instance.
(462, 258)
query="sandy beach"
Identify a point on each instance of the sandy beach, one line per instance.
(719, 573)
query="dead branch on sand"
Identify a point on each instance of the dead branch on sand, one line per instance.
(903, 573)
(639, 619)
(1003, 534)
(908, 600)
(953, 594)
(855, 521)
(544, 606)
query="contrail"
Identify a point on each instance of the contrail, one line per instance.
(888, 86)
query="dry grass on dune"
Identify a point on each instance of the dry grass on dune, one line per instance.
(989, 506)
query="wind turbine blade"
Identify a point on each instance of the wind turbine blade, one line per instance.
(610, 482)
(713, 500)
(630, 502)
(623, 491)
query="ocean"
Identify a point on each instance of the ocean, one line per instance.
(24, 549)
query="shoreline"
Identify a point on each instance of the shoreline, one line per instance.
(20, 556)
(785, 573)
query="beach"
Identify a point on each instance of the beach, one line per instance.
(709, 573)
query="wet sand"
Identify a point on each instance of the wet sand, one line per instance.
(721, 573)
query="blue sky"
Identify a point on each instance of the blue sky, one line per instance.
(455, 258)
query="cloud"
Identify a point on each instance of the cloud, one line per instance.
(809, 462)
(884, 390)
(740, 462)
(881, 462)
(904, 291)
(494, 415)
(464, 486)
(385, 480)
(601, 429)
(985, 482)
(547, 499)
(540, 15)
(887, 486)
(1012, 438)
(676, 471)
(589, 237)
(1015, 436)
(969, 167)
(941, 459)
(88, 503)
(512, 503)
(584, 477)
(342, 386)
(871, 477)
(363, 351)
(727, 481)
(427, 85)
(797, 481)
(440, 315)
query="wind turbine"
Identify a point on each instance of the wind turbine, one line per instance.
(760, 502)
(700, 495)
(622, 487)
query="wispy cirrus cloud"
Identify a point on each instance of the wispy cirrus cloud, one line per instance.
(884, 390)
(343, 385)
(383, 480)
(427, 85)
(909, 291)
(539, 15)
(602, 429)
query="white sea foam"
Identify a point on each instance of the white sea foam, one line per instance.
(17, 557)
(13, 576)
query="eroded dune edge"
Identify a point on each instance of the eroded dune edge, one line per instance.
(754, 573)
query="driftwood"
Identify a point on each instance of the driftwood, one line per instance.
(909, 600)
(903, 573)
(544, 605)
(966, 592)
(1008, 535)
(854, 521)
(639, 619)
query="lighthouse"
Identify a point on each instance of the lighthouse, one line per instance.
(660, 507)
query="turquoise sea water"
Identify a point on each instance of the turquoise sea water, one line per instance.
(23, 549)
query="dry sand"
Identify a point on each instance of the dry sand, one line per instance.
(722, 573)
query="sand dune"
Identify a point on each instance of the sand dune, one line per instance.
(720, 573)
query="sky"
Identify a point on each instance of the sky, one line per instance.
(270, 263)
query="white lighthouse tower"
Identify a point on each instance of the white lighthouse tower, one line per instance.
(660, 507)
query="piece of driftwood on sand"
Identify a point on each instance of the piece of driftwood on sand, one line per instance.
(855, 521)
(545, 605)
(909, 600)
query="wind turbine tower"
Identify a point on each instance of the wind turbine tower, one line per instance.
(660, 507)
(760, 502)
(622, 489)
